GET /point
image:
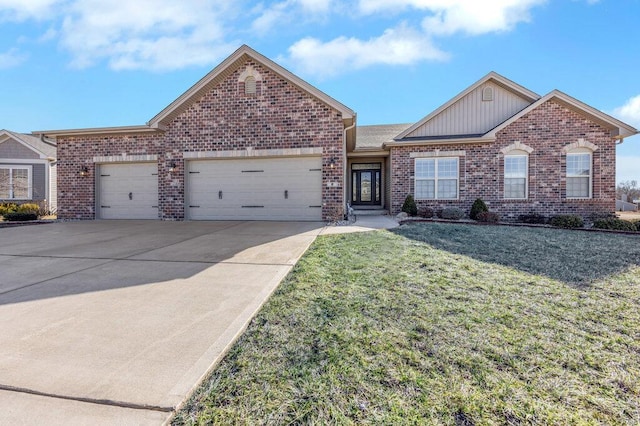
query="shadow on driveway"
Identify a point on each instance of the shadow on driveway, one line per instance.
(69, 258)
(574, 257)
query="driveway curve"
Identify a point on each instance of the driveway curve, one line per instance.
(122, 319)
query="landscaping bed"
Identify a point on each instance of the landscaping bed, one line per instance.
(441, 324)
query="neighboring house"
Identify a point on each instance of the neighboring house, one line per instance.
(27, 169)
(625, 206)
(253, 141)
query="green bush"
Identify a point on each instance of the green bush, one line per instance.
(409, 206)
(426, 212)
(28, 208)
(478, 207)
(533, 218)
(567, 221)
(602, 215)
(21, 216)
(489, 217)
(614, 223)
(452, 213)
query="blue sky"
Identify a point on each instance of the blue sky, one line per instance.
(95, 63)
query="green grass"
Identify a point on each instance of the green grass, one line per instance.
(441, 324)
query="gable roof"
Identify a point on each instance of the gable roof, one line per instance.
(44, 148)
(493, 77)
(619, 129)
(215, 76)
(223, 70)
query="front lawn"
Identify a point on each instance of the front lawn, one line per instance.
(441, 324)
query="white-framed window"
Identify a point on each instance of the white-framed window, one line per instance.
(15, 182)
(579, 173)
(436, 178)
(516, 176)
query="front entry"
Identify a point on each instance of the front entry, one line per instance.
(366, 184)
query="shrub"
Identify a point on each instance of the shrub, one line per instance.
(426, 212)
(478, 207)
(533, 218)
(489, 217)
(28, 208)
(567, 221)
(7, 208)
(452, 213)
(602, 215)
(21, 216)
(614, 223)
(409, 206)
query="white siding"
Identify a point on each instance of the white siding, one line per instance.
(53, 188)
(471, 115)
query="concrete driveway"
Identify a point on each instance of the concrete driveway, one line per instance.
(109, 322)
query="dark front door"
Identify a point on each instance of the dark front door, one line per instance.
(366, 184)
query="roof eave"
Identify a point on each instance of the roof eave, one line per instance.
(426, 142)
(96, 131)
(503, 81)
(621, 129)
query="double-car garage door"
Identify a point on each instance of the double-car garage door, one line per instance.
(225, 189)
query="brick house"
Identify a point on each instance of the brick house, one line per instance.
(252, 141)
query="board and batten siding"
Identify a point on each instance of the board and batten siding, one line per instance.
(471, 115)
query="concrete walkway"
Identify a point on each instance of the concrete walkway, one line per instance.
(109, 322)
(362, 224)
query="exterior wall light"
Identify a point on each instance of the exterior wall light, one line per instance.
(84, 171)
(172, 166)
(332, 162)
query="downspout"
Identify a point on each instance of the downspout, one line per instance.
(344, 162)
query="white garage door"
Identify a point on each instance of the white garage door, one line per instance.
(128, 191)
(255, 189)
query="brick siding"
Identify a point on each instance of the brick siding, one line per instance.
(547, 129)
(279, 115)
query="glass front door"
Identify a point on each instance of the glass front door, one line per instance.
(365, 180)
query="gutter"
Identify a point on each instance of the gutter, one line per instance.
(345, 160)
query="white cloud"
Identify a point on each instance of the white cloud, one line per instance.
(404, 45)
(288, 11)
(630, 112)
(475, 17)
(146, 34)
(20, 10)
(446, 17)
(398, 46)
(12, 58)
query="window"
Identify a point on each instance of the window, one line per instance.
(579, 175)
(515, 176)
(436, 178)
(15, 182)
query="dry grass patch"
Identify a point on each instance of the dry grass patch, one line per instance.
(430, 325)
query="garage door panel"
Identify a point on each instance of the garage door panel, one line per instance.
(255, 189)
(128, 191)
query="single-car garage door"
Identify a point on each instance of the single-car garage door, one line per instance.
(255, 189)
(128, 191)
